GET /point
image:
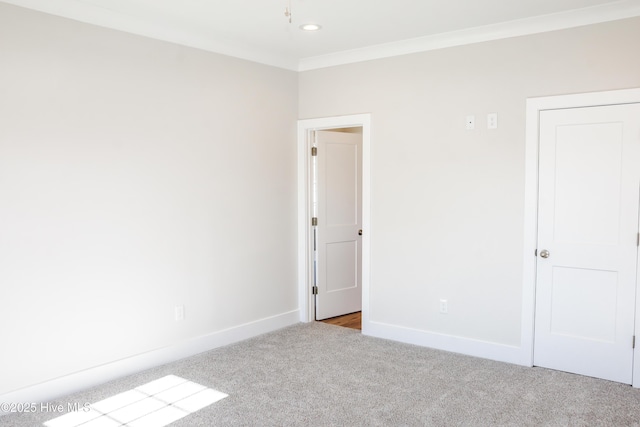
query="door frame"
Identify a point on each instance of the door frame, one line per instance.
(306, 301)
(534, 107)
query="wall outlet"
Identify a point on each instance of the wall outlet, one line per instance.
(444, 308)
(492, 121)
(178, 313)
(470, 122)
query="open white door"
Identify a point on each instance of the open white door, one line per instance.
(338, 160)
(589, 187)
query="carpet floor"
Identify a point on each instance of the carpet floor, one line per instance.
(323, 375)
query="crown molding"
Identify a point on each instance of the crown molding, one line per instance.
(103, 17)
(92, 14)
(521, 27)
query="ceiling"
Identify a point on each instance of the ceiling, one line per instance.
(352, 30)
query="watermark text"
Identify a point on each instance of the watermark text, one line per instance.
(45, 407)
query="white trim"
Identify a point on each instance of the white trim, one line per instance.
(304, 185)
(84, 12)
(534, 107)
(77, 381)
(455, 344)
(521, 27)
(107, 18)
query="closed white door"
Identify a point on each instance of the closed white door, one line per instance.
(339, 218)
(589, 189)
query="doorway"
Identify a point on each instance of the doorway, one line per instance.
(336, 167)
(583, 226)
(308, 268)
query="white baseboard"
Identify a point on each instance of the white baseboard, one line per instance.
(82, 380)
(455, 344)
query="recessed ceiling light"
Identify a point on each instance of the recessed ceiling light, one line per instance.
(310, 27)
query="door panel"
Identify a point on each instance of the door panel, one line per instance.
(589, 187)
(595, 317)
(339, 155)
(338, 204)
(342, 271)
(588, 168)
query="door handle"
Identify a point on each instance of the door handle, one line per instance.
(544, 253)
(359, 232)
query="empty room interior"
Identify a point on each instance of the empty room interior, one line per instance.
(184, 177)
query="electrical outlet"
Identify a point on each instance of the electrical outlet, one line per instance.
(178, 313)
(443, 306)
(492, 121)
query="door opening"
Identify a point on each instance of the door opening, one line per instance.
(336, 168)
(333, 220)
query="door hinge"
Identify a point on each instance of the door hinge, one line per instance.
(314, 290)
(314, 221)
(314, 151)
(638, 240)
(633, 342)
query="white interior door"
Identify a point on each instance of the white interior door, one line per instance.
(339, 217)
(589, 189)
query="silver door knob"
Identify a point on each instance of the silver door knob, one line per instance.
(544, 253)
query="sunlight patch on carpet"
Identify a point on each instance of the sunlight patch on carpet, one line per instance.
(155, 404)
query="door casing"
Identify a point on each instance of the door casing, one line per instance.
(305, 266)
(534, 107)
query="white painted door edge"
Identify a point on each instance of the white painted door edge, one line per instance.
(534, 106)
(305, 126)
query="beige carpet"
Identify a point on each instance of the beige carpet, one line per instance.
(323, 375)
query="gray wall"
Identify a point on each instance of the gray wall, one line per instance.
(135, 175)
(447, 203)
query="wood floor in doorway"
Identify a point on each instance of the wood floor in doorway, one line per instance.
(353, 321)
